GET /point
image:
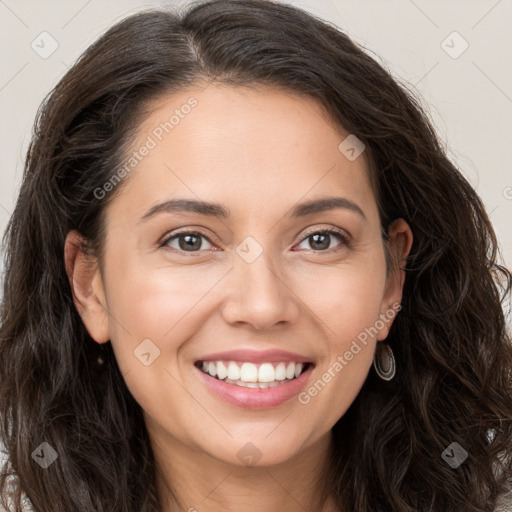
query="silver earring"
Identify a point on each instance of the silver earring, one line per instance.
(384, 361)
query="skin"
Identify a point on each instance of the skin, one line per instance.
(258, 152)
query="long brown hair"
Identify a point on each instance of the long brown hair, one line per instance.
(452, 350)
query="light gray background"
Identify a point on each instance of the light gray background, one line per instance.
(469, 98)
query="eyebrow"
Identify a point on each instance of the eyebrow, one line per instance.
(219, 211)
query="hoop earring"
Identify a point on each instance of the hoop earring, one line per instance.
(384, 361)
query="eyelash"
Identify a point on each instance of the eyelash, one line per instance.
(333, 231)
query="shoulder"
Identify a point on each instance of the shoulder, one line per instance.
(4, 459)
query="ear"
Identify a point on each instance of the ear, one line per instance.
(86, 287)
(399, 246)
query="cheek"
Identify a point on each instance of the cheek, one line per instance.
(354, 321)
(348, 305)
(344, 298)
(160, 303)
(153, 316)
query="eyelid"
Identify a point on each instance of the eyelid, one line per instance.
(328, 229)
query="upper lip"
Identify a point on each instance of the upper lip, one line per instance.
(257, 356)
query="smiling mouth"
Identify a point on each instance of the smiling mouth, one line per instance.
(251, 375)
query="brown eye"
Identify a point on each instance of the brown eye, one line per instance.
(187, 241)
(321, 240)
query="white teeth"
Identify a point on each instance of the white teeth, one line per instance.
(280, 371)
(266, 373)
(222, 371)
(290, 371)
(269, 374)
(261, 385)
(249, 372)
(233, 371)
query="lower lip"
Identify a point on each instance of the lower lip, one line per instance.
(255, 398)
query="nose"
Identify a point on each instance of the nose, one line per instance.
(259, 295)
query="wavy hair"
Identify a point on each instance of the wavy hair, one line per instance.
(450, 342)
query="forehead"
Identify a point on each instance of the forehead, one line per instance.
(248, 147)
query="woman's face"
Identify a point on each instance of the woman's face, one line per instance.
(250, 280)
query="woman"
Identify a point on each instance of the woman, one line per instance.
(226, 217)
